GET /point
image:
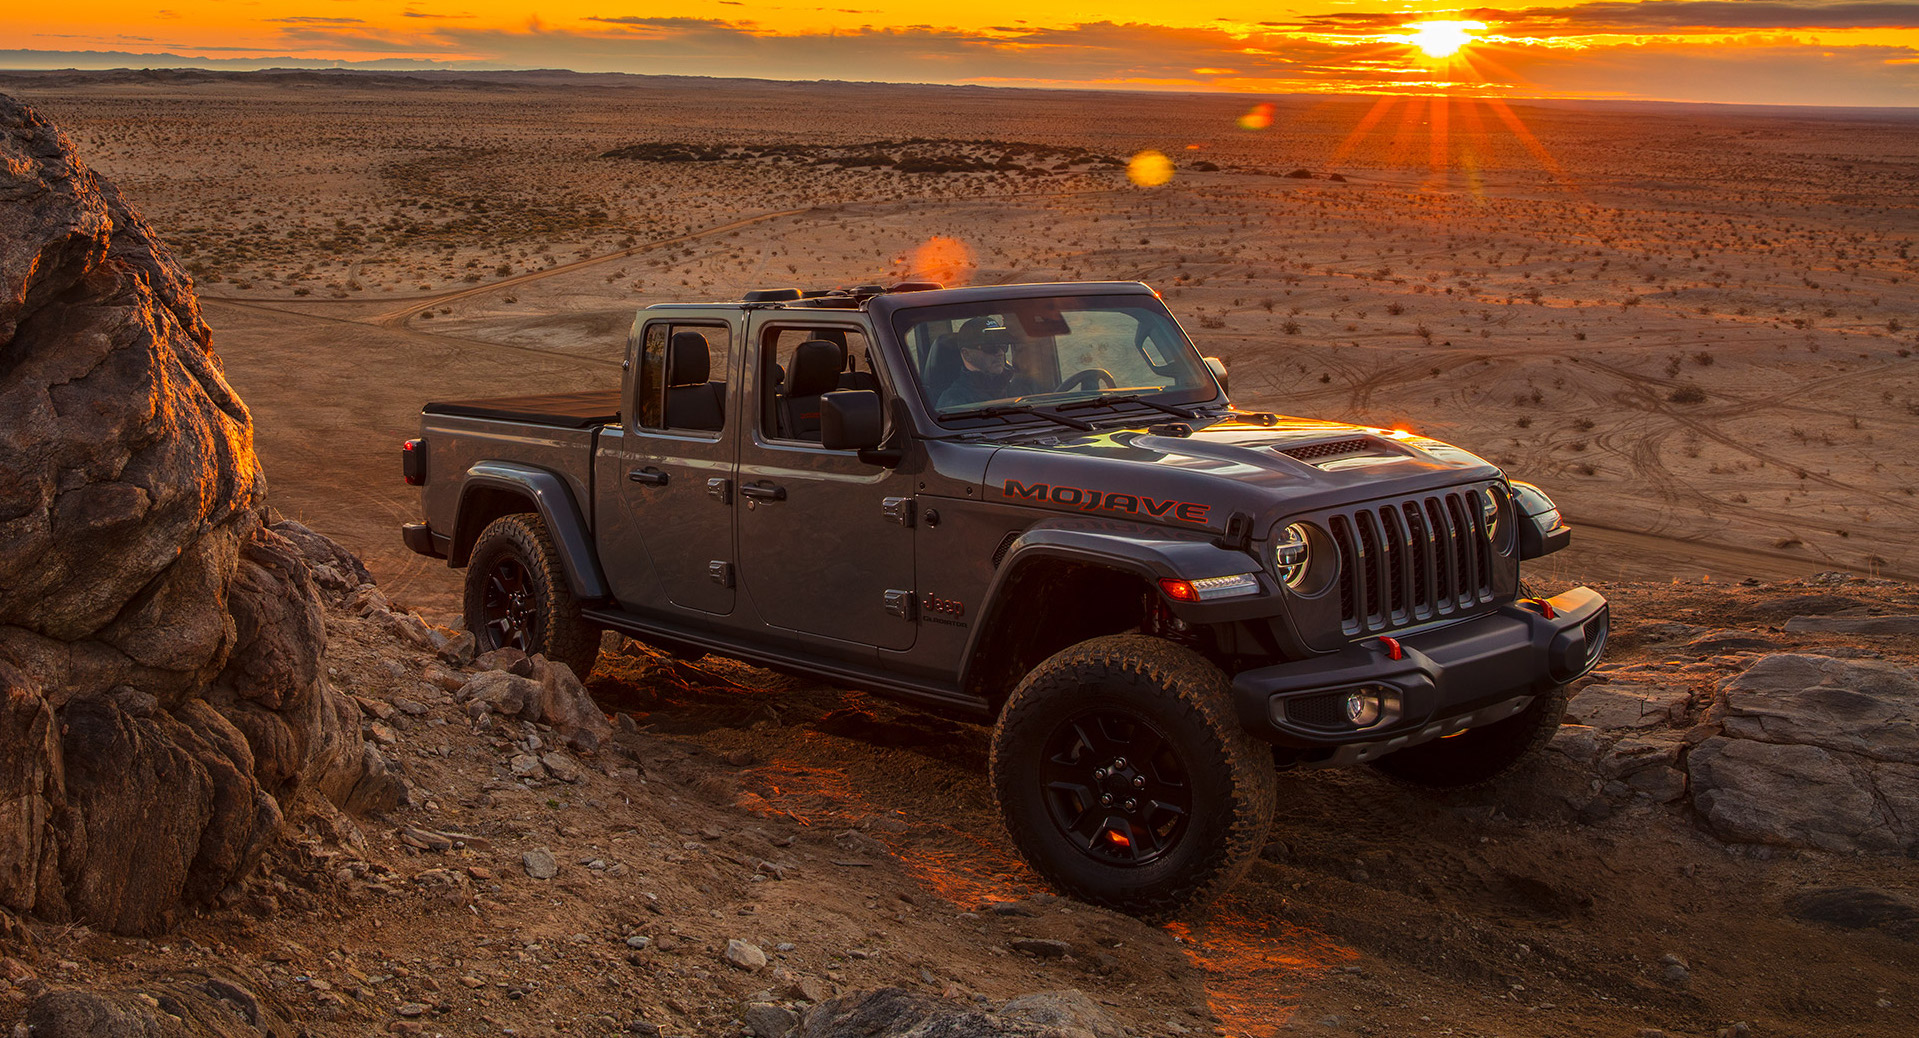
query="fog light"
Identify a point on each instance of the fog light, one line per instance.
(1364, 707)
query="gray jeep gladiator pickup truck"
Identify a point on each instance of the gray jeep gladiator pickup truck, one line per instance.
(1033, 504)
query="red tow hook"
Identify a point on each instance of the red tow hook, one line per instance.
(1543, 607)
(1394, 650)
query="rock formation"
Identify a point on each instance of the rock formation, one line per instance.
(162, 700)
(1785, 749)
(1814, 752)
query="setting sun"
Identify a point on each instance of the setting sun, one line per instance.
(1442, 39)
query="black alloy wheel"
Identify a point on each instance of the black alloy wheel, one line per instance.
(508, 610)
(1116, 787)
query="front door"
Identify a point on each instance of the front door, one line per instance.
(825, 541)
(669, 544)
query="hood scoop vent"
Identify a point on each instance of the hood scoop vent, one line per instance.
(1314, 453)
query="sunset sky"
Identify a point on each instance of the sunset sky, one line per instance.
(1738, 51)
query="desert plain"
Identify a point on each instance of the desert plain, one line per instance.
(1694, 326)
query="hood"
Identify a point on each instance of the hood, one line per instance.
(1266, 470)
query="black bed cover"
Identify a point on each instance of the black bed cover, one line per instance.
(567, 410)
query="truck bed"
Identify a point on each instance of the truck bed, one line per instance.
(566, 410)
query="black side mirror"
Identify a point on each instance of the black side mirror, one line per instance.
(1218, 368)
(850, 420)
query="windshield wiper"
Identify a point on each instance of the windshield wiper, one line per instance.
(1006, 409)
(1134, 398)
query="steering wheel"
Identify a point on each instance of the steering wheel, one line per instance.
(1097, 377)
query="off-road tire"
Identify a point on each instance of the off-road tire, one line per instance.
(1185, 704)
(550, 615)
(1478, 756)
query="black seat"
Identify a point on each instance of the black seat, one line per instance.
(691, 401)
(816, 371)
(943, 366)
(854, 378)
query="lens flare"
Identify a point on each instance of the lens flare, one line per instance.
(945, 260)
(1149, 169)
(1440, 39)
(1259, 118)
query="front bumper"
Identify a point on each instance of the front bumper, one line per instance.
(1447, 680)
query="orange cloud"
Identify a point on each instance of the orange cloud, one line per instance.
(1714, 50)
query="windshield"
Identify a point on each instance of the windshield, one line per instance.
(1064, 352)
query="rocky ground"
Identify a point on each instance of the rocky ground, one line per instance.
(1720, 845)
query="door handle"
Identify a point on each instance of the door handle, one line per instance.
(649, 475)
(763, 492)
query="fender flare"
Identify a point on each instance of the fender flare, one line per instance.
(564, 520)
(1152, 553)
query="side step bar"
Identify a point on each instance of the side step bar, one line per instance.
(851, 675)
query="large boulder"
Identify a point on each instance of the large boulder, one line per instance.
(162, 700)
(1814, 751)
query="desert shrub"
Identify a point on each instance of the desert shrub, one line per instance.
(1687, 395)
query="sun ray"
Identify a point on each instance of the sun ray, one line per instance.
(1402, 150)
(1519, 130)
(1366, 123)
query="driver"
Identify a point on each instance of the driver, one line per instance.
(987, 372)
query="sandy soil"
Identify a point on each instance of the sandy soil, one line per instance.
(1694, 326)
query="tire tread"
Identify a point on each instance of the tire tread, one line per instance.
(1200, 692)
(569, 638)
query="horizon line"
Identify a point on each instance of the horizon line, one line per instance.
(405, 66)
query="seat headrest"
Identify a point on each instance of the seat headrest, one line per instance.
(816, 368)
(687, 362)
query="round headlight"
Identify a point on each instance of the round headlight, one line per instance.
(1292, 555)
(1489, 514)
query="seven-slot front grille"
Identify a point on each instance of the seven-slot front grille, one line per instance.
(1404, 562)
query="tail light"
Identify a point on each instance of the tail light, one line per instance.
(413, 462)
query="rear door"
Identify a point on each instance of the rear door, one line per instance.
(825, 540)
(666, 542)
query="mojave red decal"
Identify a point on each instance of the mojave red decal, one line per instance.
(1087, 499)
